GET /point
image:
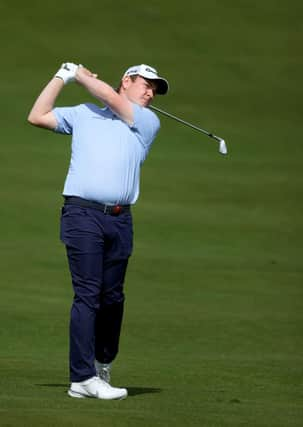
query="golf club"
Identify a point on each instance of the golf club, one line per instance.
(222, 144)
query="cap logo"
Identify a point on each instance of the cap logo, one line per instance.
(134, 70)
(151, 70)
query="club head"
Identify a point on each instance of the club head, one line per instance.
(222, 147)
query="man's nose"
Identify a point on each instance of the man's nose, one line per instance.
(150, 93)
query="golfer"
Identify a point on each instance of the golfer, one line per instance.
(108, 148)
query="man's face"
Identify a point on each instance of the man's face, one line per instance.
(141, 91)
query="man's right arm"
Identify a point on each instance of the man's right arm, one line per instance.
(99, 89)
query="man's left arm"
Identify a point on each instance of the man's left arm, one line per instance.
(41, 113)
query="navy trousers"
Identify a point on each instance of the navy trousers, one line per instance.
(98, 246)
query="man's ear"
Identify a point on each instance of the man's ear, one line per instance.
(126, 81)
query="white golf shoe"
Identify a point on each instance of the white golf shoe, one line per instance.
(103, 371)
(97, 388)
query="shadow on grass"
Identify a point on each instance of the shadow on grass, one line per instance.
(132, 391)
(52, 385)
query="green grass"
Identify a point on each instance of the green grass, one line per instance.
(213, 326)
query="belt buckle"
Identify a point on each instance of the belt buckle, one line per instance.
(116, 210)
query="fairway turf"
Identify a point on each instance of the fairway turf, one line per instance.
(212, 334)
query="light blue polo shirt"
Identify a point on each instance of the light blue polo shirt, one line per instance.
(106, 152)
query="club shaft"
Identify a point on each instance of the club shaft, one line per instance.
(165, 113)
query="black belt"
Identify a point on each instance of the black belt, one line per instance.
(106, 209)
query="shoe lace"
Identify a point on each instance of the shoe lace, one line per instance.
(105, 374)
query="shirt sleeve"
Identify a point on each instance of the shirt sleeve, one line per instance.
(146, 125)
(65, 117)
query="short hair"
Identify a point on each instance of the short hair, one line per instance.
(133, 78)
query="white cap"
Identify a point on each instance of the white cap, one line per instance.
(150, 73)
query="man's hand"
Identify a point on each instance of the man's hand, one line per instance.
(67, 72)
(83, 72)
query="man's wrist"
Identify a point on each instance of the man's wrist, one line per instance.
(59, 78)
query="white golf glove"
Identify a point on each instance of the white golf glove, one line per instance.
(67, 72)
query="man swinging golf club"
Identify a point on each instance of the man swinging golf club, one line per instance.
(109, 146)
